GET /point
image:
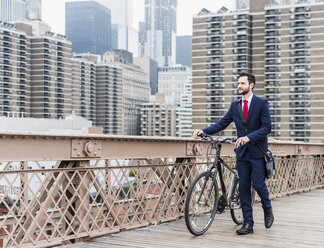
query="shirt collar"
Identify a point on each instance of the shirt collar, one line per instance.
(248, 99)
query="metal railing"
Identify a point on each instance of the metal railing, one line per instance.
(61, 189)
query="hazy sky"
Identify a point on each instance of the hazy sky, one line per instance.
(54, 13)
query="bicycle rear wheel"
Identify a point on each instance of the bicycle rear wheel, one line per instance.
(236, 209)
(201, 203)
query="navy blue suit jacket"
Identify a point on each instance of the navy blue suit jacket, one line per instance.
(259, 122)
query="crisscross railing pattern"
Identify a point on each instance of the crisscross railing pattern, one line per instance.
(78, 199)
(52, 202)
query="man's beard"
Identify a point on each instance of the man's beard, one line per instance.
(244, 92)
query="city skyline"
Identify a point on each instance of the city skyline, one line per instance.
(281, 46)
(54, 13)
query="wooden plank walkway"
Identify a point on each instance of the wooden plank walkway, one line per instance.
(299, 222)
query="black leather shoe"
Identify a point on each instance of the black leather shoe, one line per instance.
(268, 218)
(245, 229)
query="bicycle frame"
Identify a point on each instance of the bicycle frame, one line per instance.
(205, 185)
(217, 164)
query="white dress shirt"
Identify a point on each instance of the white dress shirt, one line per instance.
(249, 101)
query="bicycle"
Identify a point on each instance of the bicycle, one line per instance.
(204, 199)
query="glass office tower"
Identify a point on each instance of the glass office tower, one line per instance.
(88, 27)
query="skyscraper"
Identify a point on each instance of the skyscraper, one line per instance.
(122, 16)
(172, 82)
(161, 28)
(109, 111)
(36, 69)
(185, 112)
(135, 89)
(15, 10)
(14, 71)
(141, 38)
(114, 36)
(283, 51)
(12, 10)
(84, 85)
(151, 68)
(175, 84)
(159, 118)
(51, 82)
(88, 27)
(34, 9)
(184, 50)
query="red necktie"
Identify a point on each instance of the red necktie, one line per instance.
(245, 109)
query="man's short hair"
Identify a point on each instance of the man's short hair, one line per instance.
(250, 77)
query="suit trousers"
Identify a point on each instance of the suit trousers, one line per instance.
(251, 168)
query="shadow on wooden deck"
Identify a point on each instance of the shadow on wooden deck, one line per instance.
(299, 221)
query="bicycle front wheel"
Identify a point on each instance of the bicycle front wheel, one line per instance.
(236, 209)
(201, 203)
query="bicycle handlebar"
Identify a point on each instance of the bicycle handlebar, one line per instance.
(205, 136)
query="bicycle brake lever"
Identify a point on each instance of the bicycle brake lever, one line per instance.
(205, 136)
(202, 136)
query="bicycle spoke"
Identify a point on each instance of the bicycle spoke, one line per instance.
(236, 209)
(202, 190)
(201, 204)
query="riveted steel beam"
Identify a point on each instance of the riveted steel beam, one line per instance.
(28, 146)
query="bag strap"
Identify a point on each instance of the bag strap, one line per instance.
(245, 123)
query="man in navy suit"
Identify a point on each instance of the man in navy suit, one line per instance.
(249, 157)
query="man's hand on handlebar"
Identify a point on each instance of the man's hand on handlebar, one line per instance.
(197, 133)
(200, 134)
